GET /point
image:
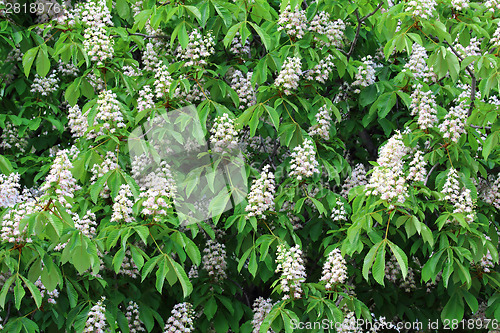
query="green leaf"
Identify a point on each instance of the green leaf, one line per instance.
(454, 309)
(118, 259)
(5, 290)
(275, 117)
(252, 264)
(370, 257)
(210, 308)
(18, 293)
(161, 273)
(35, 292)
(143, 232)
(186, 285)
(5, 166)
(42, 62)
(122, 8)
(266, 39)
(28, 59)
(149, 265)
(80, 259)
(223, 13)
(379, 265)
(72, 294)
(490, 143)
(400, 257)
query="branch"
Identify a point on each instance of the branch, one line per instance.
(473, 78)
(481, 127)
(144, 35)
(429, 174)
(358, 29)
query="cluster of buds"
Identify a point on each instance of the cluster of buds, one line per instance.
(45, 85)
(417, 170)
(365, 75)
(261, 308)
(181, 320)
(293, 23)
(214, 260)
(237, 46)
(321, 72)
(97, 43)
(356, 178)
(135, 325)
(261, 196)
(9, 190)
(96, 319)
(108, 115)
(77, 122)
(122, 208)
(198, 49)
(289, 76)
(424, 105)
(224, 137)
(293, 272)
(243, 87)
(334, 31)
(423, 9)
(304, 163)
(51, 295)
(387, 179)
(322, 127)
(334, 269)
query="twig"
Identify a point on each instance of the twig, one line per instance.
(481, 127)
(7, 315)
(473, 78)
(429, 174)
(144, 35)
(358, 29)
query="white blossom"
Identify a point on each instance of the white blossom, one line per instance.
(77, 122)
(424, 105)
(322, 127)
(289, 76)
(237, 46)
(9, 190)
(417, 65)
(334, 269)
(45, 85)
(293, 272)
(122, 208)
(304, 163)
(243, 86)
(417, 170)
(356, 178)
(198, 49)
(261, 308)
(293, 23)
(321, 72)
(214, 260)
(365, 75)
(135, 325)
(96, 319)
(181, 320)
(224, 137)
(261, 196)
(422, 9)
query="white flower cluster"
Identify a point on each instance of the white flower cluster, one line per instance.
(68, 69)
(496, 36)
(9, 190)
(304, 163)
(198, 49)
(492, 5)
(87, 224)
(473, 49)
(130, 71)
(334, 269)
(424, 105)
(67, 15)
(77, 122)
(365, 75)
(237, 46)
(45, 85)
(387, 179)
(96, 82)
(159, 192)
(349, 325)
(151, 55)
(322, 128)
(261, 308)
(214, 260)
(109, 114)
(459, 197)
(243, 87)
(334, 31)
(289, 76)
(10, 138)
(97, 43)
(460, 4)
(393, 274)
(321, 72)
(357, 178)
(486, 262)
(51, 295)
(417, 65)
(261, 196)
(98, 170)
(422, 9)
(61, 179)
(338, 212)
(453, 125)
(417, 170)
(96, 319)
(128, 267)
(145, 100)
(491, 191)
(46, 10)
(10, 221)
(181, 320)
(163, 82)
(135, 325)
(122, 208)
(293, 272)
(224, 137)
(293, 23)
